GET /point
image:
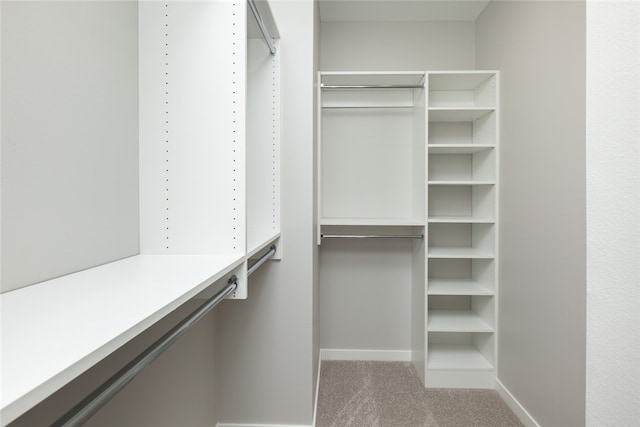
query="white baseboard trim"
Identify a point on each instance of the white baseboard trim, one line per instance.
(379, 355)
(315, 402)
(515, 406)
(260, 425)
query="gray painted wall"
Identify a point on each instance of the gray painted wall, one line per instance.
(69, 137)
(361, 307)
(540, 49)
(265, 358)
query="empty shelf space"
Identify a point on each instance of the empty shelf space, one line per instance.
(457, 114)
(458, 287)
(456, 357)
(458, 148)
(456, 321)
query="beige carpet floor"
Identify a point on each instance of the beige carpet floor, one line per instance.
(389, 394)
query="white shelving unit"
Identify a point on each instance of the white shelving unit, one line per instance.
(418, 152)
(209, 198)
(462, 216)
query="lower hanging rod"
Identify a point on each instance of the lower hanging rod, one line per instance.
(84, 410)
(262, 260)
(372, 236)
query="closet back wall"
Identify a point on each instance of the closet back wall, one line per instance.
(362, 308)
(69, 137)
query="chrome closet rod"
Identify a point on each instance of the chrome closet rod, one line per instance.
(372, 236)
(80, 413)
(262, 260)
(263, 28)
(324, 86)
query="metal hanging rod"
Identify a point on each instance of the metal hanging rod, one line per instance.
(80, 413)
(262, 260)
(390, 86)
(263, 28)
(372, 236)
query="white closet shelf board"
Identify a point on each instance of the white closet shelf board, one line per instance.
(458, 148)
(261, 244)
(459, 220)
(457, 287)
(409, 78)
(469, 182)
(373, 221)
(456, 357)
(456, 321)
(55, 330)
(457, 114)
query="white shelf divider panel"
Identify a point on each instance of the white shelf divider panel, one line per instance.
(89, 315)
(192, 93)
(263, 144)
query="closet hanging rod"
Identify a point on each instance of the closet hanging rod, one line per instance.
(390, 86)
(372, 236)
(263, 28)
(80, 413)
(262, 260)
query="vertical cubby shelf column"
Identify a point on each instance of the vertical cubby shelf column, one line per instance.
(192, 92)
(462, 193)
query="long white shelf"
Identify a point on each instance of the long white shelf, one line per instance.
(457, 287)
(456, 321)
(461, 182)
(55, 330)
(456, 357)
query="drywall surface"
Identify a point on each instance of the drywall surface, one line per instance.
(69, 137)
(365, 287)
(264, 363)
(396, 46)
(539, 48)
(613, 213)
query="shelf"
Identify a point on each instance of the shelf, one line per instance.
(458, 148)
(458, 80)
(456, 357)
(457, 114)
(456, 321)
(259, 245)
(55, 330)
(457, 287)
(462, 182)
(382, 222)
(459, 253)
(459, 220)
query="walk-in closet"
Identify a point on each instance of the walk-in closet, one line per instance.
(270, 213)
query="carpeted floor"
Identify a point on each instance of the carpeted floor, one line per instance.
(389, 394)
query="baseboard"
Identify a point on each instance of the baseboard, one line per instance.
(261, 425)
(515, 406)
(379, 355)
(315, 401)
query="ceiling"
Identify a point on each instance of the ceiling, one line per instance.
(400, 10)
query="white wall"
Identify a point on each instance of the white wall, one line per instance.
(539, 47)
(365, 287)
(69, 137)
(613, 213)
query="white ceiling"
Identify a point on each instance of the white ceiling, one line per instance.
(400, 10)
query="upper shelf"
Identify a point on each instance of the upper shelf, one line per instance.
(330, 79)
(89, 315)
